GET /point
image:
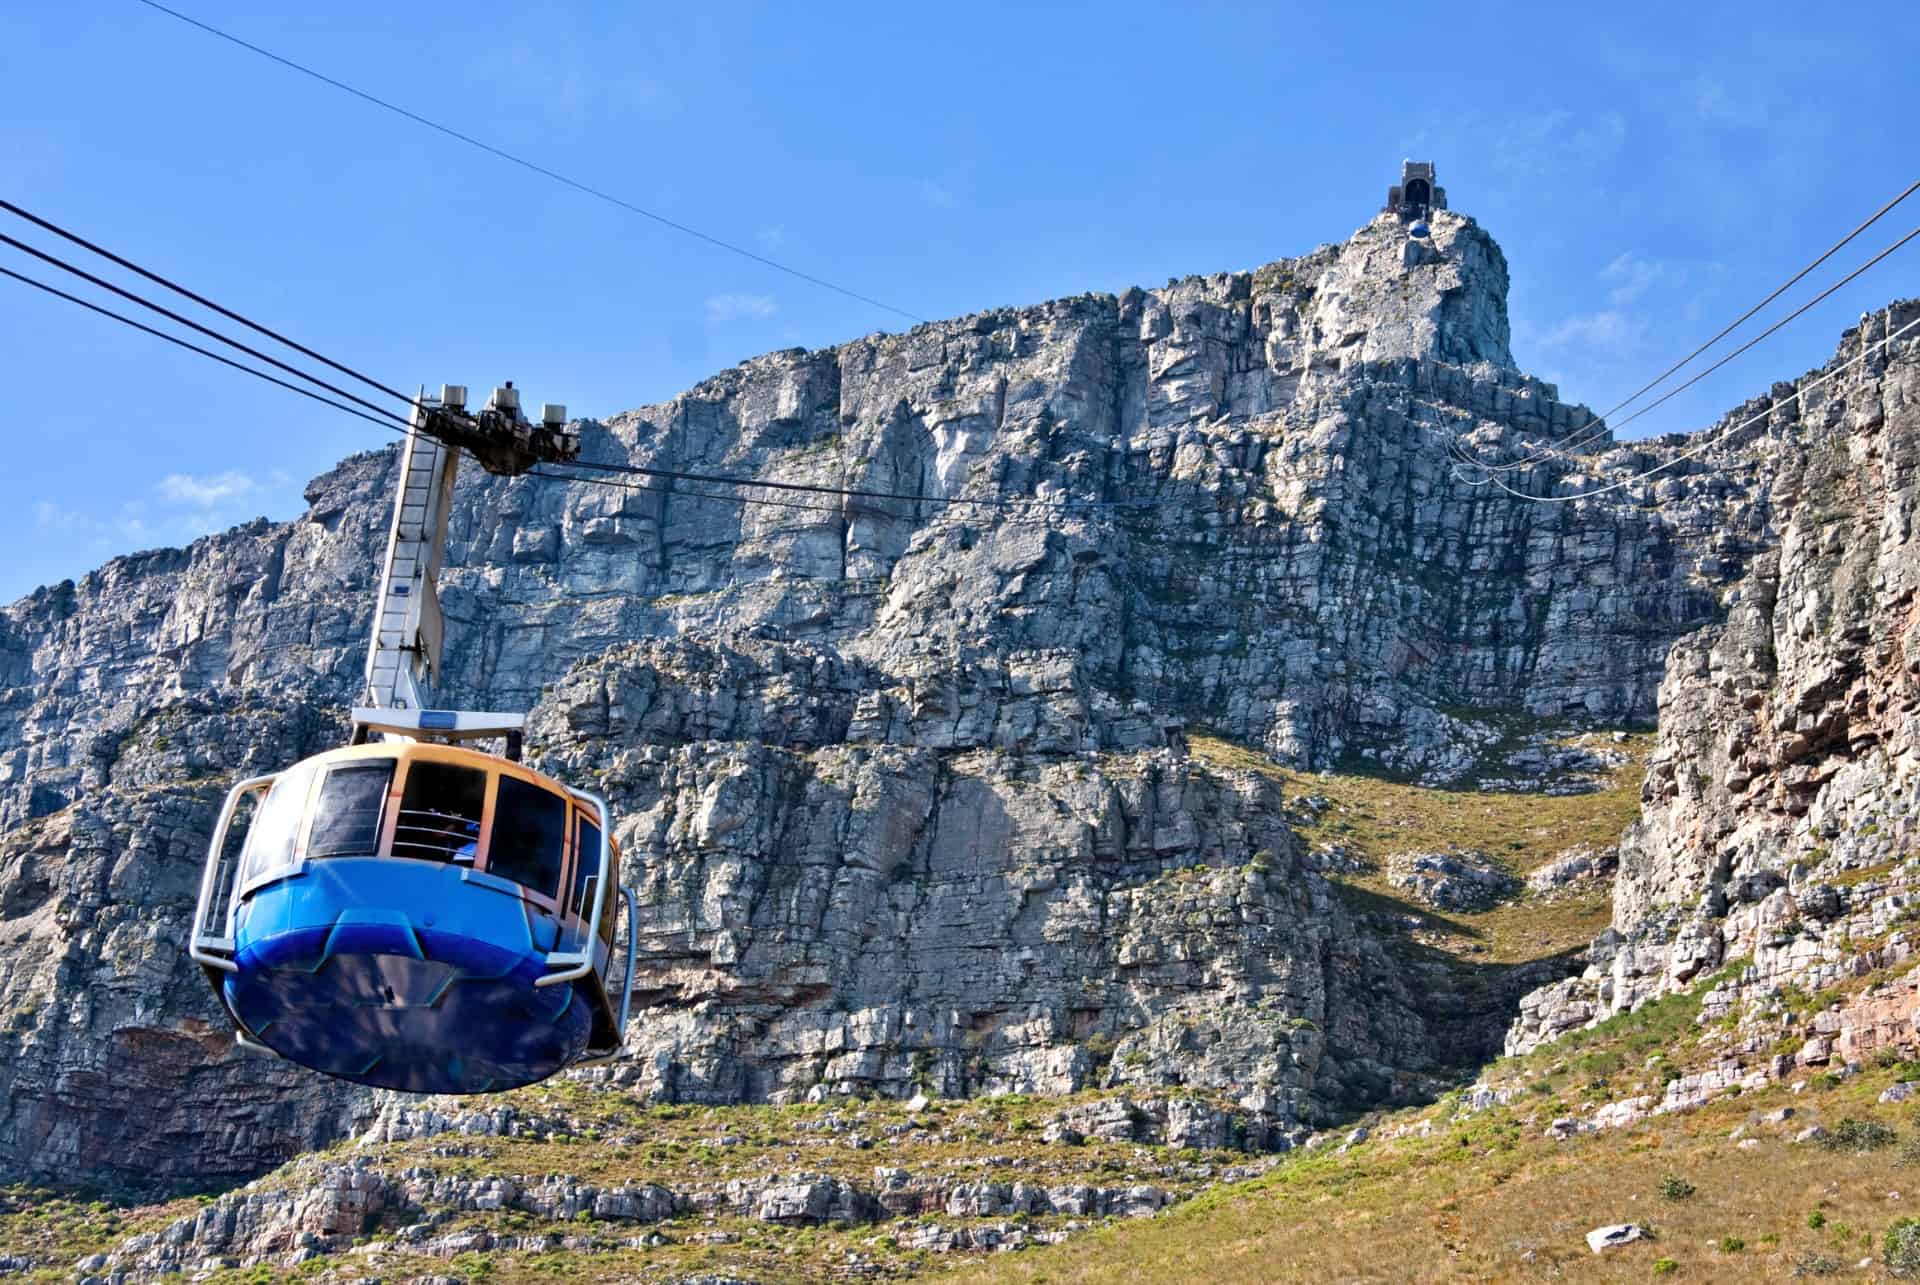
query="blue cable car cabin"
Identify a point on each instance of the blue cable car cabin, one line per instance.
(417, 916)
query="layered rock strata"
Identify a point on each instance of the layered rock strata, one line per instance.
(1784, 797)
(900, 780)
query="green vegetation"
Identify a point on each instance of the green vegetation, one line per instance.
(1674, 1187)
(59, 1228)
(1812, 1262)
(1435, 1194)
(1859, 1135)
(1488, 1197)
(1900, 1247)
(1664, 1028)
(1485, 1196)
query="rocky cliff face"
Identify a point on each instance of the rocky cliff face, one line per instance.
(901, 782)
(1785, 792)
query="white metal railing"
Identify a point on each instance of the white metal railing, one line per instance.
(435, 836)
(626, 985)
(572, 965)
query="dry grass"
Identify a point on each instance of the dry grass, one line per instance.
(1486, 1197)
(1490, 1199)
(1373, 816)
(614, 1139)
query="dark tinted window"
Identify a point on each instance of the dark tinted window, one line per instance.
(346, 817)
(440, 812)
(529, 836)
(586, 865)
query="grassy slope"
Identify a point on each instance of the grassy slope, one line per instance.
(1490, 1197)
(1467, 1201)
(1372, 817)
(1487, 1199)
(1484, 1196)
(617, 1140)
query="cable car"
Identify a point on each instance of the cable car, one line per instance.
(420, 917)
(409, 912)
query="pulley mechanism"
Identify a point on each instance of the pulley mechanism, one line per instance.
(498, 435)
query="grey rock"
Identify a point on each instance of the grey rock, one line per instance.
(1451, 880)
(904, 785)
(1574, 866)
(1788, 746)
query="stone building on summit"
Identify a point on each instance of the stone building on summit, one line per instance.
(1416, 193)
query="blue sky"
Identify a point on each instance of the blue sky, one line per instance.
(1650, 170)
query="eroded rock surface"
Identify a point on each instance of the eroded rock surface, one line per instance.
(1781, 806)
(1451, 880)
(902, 782)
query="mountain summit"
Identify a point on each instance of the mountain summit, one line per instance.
(911, 789)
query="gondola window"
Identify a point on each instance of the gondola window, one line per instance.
(529, 836)
(440, 812)
(346, 819)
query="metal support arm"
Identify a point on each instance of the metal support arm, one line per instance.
(403, 656)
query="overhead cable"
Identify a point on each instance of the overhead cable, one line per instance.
(1491, 470)
(1712, 436)
(1790, 282)
(1597, 425)
(400, 424)
(200, 299)
(125, 320)
(1774, 328)
(191, 324)
(780, 504)
(852, 493)
(535, 167)
(698, 495)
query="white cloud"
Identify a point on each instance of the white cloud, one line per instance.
(1544, 145)
(723, 308)
(934, 195)
(128, 529)
(206, 492)
(190, 507)
(773, 236)
(1634, 276)
(1609, 330)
